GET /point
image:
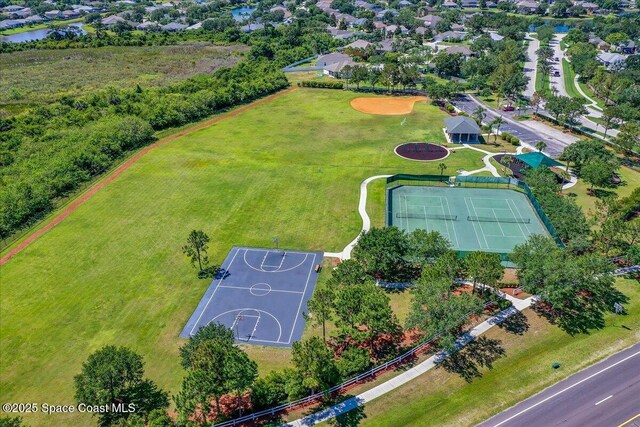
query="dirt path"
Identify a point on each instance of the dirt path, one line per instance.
(94, 189)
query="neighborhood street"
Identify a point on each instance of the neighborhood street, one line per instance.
(529, 132)
(604, 394)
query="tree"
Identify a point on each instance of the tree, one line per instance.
(314, 368)
(575, 291)
(479, 114)
(435, 309)
(426, 246)
(212, 332)
(535, 101)
(484, 267)
(381, 251)
(11, 422)
(541, 146)
(115, 377)
(447, 64)
(495, 124)
(598, 173)
(442, 167)
(629, 137)
(582, 151)
(321, 306)
(348, 272)
(359, 74)
(506, 161)
(363, 316)
(196, 248)
(609, 117)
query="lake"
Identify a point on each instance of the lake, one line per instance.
(558, 28)
(242, 13)
(29, 36)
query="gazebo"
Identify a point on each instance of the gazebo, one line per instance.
(537, 159)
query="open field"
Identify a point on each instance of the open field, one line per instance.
(113, 272)
(630, 181)
(38, 76)
(442, 398)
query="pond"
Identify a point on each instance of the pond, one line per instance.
(558, 28)
(242, 13)
(29, 36)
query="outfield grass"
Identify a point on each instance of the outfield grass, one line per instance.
(113, 272)
(440, 398)
(39, 76)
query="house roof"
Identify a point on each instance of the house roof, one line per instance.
(462, 124)
(336, 67)
(537, 159)
(332, 58)
(459, 49)
(358, 44)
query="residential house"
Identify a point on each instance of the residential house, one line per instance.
(386, 45)
(464, 50)
(430, 21)
(590, 8)
(70, 14)
(251, 28)
(332, 58)
(358, 44)
(336, 70)
(612, 60)
(450, 36)
(53, 14)
(450, 4)
(627, 48)
(527, 7)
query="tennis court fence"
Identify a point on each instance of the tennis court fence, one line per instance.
(322, 395)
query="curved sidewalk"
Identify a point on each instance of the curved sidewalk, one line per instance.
(94, 189)
(405, 377)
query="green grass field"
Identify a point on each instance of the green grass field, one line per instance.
(440, 398)
(39, 76)
(113, 272)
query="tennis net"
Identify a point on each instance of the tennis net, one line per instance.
(426, 216)
(496, 219)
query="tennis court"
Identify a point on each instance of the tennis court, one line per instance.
(260, 294)
(488, 219)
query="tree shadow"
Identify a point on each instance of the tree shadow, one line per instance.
(580, 319)
(479, 353)
(350, 409)
(516, 324)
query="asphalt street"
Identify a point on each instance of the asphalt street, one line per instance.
(605, 394)
(527, 135)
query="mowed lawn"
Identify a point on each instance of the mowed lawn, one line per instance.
(441, 398)
(113, 271)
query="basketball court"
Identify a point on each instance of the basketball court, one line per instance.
(472, 219)
(260, 294)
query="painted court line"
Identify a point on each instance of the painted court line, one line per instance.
(213, 293)
(453, 226)
(473, 224)
(293, 328)
(249, 288)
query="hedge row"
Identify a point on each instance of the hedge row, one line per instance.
(322, 84)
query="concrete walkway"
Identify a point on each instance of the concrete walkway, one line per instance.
(366, 221)
(593, 104)
(487, 164)
(416, 371)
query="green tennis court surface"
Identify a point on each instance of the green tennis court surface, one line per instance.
(492, 220)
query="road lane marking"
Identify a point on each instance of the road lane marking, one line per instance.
(606, 398)
(629, 420)
(568, 388)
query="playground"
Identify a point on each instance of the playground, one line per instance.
(386, 105)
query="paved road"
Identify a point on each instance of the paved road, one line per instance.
(531, 65)
(556, 140)
(559, 84)
(605, 394)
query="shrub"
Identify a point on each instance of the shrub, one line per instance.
(322, 85)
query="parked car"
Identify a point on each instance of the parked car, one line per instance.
(508, 108)
(556, 73)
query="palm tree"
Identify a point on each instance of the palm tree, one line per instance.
(506, 162)
(497, 122)
(541, 145)
(566, 177)
(479, 114)
(442, 168)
